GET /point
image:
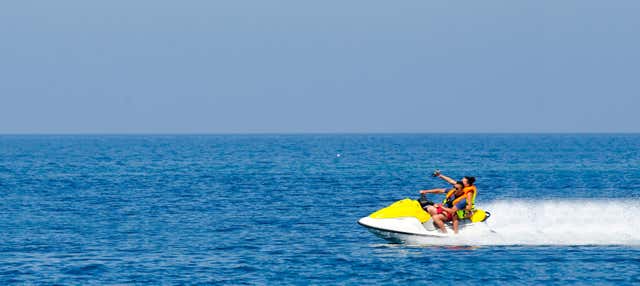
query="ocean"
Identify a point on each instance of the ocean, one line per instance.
(283, 209)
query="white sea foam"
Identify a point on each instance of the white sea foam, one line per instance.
(564, 222)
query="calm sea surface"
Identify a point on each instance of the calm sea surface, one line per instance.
(282, 209)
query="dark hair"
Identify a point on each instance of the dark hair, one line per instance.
(460, 183)
(471, 180)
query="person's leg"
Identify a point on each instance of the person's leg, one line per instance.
(438, 220)
(454, 218)
(461, 205)
(432, 210)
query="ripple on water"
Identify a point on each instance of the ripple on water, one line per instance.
(283, 209)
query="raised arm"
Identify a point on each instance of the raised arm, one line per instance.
(449, 180)
(433, 191)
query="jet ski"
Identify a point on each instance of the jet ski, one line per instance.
(407, 218)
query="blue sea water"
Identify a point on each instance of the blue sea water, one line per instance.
(282, 209)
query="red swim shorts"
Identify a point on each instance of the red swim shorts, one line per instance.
(439, 210)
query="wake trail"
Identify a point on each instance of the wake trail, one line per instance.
(546, 222)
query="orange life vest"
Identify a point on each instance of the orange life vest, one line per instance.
(465, 191)
(462, 214)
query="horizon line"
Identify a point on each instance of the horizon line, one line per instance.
(306, 133)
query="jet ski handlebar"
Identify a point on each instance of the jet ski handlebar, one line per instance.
(424, 201)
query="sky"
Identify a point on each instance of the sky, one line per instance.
(319, 66)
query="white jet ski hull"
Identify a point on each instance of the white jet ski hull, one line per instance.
(401, 229)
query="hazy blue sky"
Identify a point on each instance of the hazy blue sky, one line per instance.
(319, 66)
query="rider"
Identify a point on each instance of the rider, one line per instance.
(469, 187)
(468, 181)
(456, 199)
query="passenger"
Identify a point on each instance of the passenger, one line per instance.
(456, 199)
(468, 181)
(469, 187)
